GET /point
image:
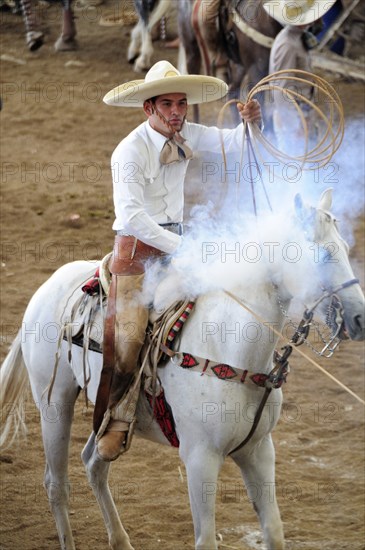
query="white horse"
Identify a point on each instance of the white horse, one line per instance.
(201, 405)
(140, 48)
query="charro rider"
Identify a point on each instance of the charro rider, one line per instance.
(290, 50)
(148, 168)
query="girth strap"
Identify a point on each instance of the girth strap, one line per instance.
(227, 373)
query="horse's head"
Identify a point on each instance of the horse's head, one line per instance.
(342, 299)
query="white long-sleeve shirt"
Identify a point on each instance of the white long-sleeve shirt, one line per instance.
(148, 193)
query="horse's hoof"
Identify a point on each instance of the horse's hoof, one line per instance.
(34, 40)
(139, 67)
(132, 59)
(66, 44)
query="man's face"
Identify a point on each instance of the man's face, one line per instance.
(173, 107)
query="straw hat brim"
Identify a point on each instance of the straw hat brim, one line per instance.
(289, 14)
(198, 89)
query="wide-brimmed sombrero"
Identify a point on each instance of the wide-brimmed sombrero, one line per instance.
(163, 78)
(297, 12)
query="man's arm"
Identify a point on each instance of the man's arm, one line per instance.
(129, 201)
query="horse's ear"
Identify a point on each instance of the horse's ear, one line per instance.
(325, 202)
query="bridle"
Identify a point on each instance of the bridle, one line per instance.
(334, 319)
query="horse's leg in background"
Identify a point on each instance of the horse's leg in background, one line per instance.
(34, 37)
(258, 472)
(135, 43)
(97, 472)
(255, 73)
(193, 64)
(143, 61)
(67, 41)
(190, 60)
(242, 81)
(202, 467)
(234, 90)
(141, 38)
(204, 19)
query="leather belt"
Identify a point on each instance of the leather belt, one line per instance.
(174, 227)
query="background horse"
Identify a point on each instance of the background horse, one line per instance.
(247, 51)
(150, 13)
(199, 403)
(34, 35)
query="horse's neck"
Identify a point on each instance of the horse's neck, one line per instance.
(220, 329)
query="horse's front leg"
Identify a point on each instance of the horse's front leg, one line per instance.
(97, 473)
(135, 43)
(258, 471)
(34, 36)
(202, 467)
(143, 62)
(67, 41)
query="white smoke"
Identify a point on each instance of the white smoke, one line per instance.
(241, 238)
(225, 253)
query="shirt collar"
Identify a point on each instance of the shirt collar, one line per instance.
(157, 139)
(294, 29)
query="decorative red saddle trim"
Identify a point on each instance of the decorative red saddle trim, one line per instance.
(179, 323)
(162, 410)
(224, 372)
(163, 415)
(259, 379)
(92, 286)
(188, 361)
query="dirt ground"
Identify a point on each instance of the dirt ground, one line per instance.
(56, 206)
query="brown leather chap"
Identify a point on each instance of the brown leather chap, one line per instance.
(130, 255)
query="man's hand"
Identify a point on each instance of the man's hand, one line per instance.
(250, 111)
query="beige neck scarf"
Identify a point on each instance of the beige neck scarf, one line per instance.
(175, 151)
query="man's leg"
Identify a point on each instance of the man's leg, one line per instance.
(130, 322)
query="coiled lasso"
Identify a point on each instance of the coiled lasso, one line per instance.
(331, 122)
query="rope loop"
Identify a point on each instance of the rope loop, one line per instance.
(331, 119)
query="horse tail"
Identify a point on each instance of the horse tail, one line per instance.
(13, 386)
